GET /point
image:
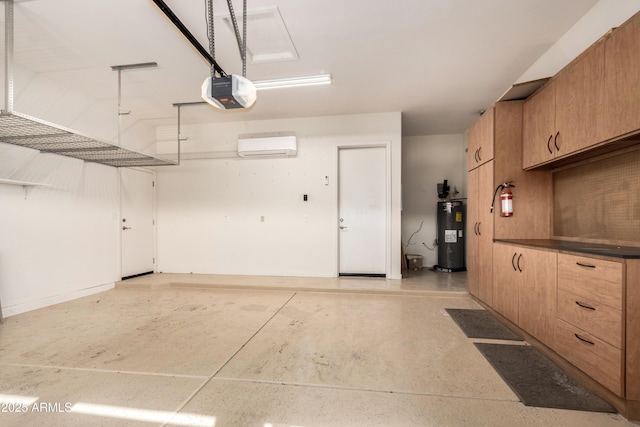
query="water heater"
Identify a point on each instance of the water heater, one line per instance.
(451, 249)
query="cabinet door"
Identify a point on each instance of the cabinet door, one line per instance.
(579, 100)
(506, 280)
(480, 232)
(622, 79)
(472, 233)
(537, 293)
(538, 127)
(485, 231)
(480, 140)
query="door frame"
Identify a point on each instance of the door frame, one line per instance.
(154, 211)
(388, 247)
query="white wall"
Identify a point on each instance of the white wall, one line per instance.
(62, 241)
(57, 242)
(209, 210)
(602, 17)
(427, 161)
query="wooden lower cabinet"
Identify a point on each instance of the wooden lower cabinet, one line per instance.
(537, 293)
(585, 309)
(506, 281)
(598, 359)
(524, 289)
(590, 317)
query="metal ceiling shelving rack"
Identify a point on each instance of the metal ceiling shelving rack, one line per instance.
(26, 131)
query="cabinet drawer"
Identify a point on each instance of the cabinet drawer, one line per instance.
(593, 278)
(601, 361)
(593, 317)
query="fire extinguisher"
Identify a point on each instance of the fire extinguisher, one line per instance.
(506, 199)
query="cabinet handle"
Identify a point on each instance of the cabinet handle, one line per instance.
(475, 155)
(555, 141)
(479, 151)
(585, 265)
(479, 233)
(549, 144)
(513, 261)
(519, 256)
(582, 339)
(588, 307)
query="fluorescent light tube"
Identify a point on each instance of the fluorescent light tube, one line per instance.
(320, 79)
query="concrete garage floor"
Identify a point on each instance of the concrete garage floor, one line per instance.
(162, 350)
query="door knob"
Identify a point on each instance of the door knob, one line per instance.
(126, 228)
(342, 227)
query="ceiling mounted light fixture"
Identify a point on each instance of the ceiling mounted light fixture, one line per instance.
(320, 79)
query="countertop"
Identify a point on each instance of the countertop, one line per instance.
(614, 251)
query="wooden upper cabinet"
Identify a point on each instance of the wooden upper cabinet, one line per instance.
(539, 127)
(480, 140)
(595, 99)
(565, 116)
(622, 79)
(580, 93)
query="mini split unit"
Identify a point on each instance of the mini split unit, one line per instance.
(267, 146)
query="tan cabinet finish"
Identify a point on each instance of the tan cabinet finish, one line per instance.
(592, 102)
(473, 239)
(539, 127)
(579, 100)
(592, 278)
(480, 140)
(584, 308)
(590, 330)
(532, 199)
(622, 79)
(592, 316)
(601, 361)
(506, 280)
(501, 129)
(565, 116)
(536, 301)
(480, 232)
(525, 289)
(632, 332)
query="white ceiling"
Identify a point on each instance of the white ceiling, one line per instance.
(437, 61)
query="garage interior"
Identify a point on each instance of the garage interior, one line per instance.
(152, 273)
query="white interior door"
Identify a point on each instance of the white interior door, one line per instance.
(137, 223)
(362, 211)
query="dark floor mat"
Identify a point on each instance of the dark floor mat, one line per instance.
(481, 324)
(537, 381)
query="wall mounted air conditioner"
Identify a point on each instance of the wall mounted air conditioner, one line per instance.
(267, 146)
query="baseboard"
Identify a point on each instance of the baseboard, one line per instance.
(23, 307)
